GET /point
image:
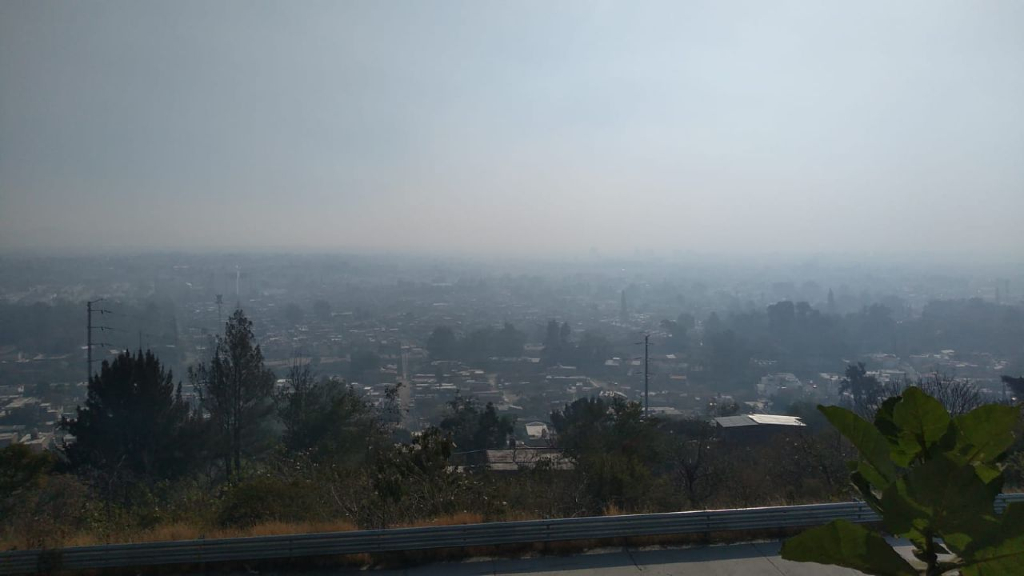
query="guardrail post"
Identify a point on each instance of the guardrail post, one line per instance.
(49, 561)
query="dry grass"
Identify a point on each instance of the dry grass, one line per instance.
(171, 532)
(613, 510)
(449, 520)
(282, 528)
(181, 531)
(517, 516)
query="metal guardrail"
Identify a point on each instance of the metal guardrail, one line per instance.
(398, 539)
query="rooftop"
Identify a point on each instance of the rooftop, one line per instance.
(758, 420)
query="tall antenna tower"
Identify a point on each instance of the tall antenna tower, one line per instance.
(220, 312)
(647, 357)
(88, 335)
(647, 407)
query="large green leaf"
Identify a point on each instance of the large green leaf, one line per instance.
(884, 421)
(1003, 553)
(891, 432)
(842, 543)
(922, 421)
(943, 497)
(990, 475)
(863, 485)
(873, 447)
(985, 433)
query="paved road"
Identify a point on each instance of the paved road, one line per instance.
(754, 559)
(751, 559)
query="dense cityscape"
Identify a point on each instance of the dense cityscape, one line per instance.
(527, 341)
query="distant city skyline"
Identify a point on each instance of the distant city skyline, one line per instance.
(518, 129)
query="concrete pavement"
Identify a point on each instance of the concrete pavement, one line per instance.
(752, 559)
(747, 559)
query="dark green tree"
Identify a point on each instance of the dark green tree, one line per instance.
(613, 448)
(473, 429)
(302, 396)
(1016, 385)
(235, 390)
(493, 431)
(557, 345)
(726, 359)
(582, 425)
(601, 425)
(327, 420)
(460, 423)
(133, 420)
(865, 389)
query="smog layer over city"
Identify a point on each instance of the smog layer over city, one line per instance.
(289, 268)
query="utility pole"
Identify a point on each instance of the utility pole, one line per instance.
(647, 407)
(88, 342)
(88, 335)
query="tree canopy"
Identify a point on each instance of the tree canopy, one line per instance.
(327, 420)
(474, 429)
(133, 420)
(235, 391)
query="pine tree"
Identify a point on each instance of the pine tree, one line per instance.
(132, 420)
(235, 390)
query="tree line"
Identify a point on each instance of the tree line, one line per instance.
(249, 452)
(559, 347)
(801, 339)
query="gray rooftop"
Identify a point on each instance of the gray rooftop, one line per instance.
(757, 420)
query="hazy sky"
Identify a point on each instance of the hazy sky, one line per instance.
(514, 127)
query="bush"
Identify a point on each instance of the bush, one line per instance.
(49, 516)
(266, 499)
